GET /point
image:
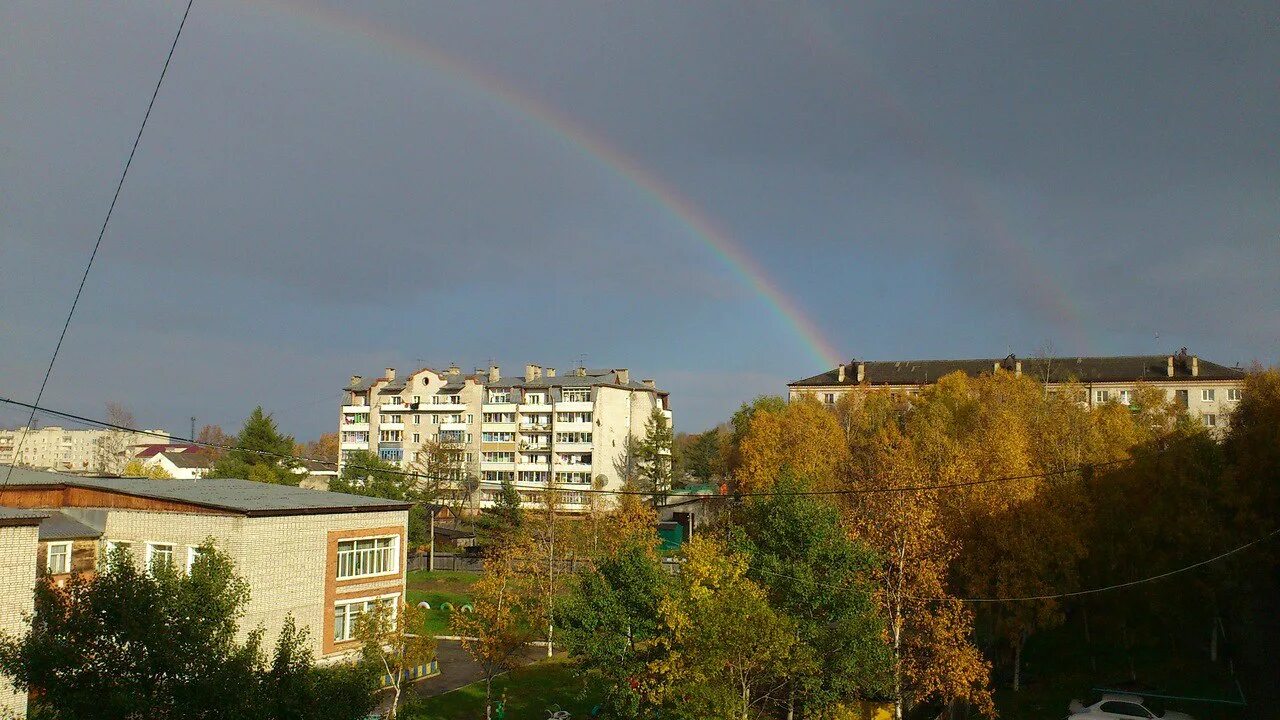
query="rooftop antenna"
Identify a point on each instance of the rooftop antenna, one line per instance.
(582, 360)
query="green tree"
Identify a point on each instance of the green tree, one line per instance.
(260, 453)
(364, 473)
(700, 456)
(498, 523)
(820, 579)
(609, 620)
(653, 454)
(126, 644)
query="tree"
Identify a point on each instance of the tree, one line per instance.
(260, 453)
(498, 523)
(821, 579)
(500, 625)
(393, 642)
(137, 468)
(212, 440)
(700, 456)
(803, 436)
(364, 473)
(653, 454)
(111, 447)
(610, 621)
(125, 644)
(722, 651)
(324, 448)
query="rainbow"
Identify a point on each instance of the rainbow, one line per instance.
(662, 195)
(969, 192)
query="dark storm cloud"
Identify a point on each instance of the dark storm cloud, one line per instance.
(924, 180)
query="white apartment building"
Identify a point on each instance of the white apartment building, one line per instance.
(1207, 391)
(532, 430)
(66, 450)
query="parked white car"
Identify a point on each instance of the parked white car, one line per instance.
(1122, 707)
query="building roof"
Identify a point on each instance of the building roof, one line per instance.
(188, 460)
(243, 497)
(61, 526)
(11, 517)
(1125, 368)
(167, 448)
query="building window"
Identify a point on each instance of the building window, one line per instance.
(1210, 420)
(498, 397)
(1207, 395)
(417, 438)
(435, 419)
(59, 558)
(368, 556)
(1101, 395)
(829, 398)
(470, 418)
(1233, 394)
(345, 614)
(417, 419)
(192, 554)
(577, 395)
(161, 553)
(1124, 397)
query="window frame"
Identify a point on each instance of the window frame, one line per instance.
(348, 620)
(1234, 394)
(48, 556)
(394, 562)
(1208, 395)
(151, 546)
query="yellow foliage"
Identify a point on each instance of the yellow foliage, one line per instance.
(803, 436)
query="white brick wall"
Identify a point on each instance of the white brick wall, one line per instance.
(17, 581)
(282, 558)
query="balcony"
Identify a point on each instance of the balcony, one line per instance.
(396, 407)
(362, 426)
(355, 408)
(533, 447)
(535, 427)
(576, 406)
(354, 445)
(453, 427)
(542, 407)
(498, 407)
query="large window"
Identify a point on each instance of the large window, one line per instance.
(1207, 395)
(1233, 394)
(500, 417)
(501, 457)
(368, 556)
(159, 553)
(346, 613)
(576, 395)
(59, 558)
(497, 437)
(1209, 419)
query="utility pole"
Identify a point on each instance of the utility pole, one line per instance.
(431, 554)
(193, 428)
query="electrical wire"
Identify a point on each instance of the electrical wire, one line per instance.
(98, 243)
(1074, 593)
(641, 493)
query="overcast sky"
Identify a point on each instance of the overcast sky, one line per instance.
(328, 191)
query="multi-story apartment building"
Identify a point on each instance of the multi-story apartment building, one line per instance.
(18, 538)
(536, 430)
(66, 450)
(321, 557)
(1206, 390)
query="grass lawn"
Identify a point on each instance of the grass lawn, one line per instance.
(438, 587)
(531, 691)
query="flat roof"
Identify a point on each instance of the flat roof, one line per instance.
(16, 517)
(243, 497)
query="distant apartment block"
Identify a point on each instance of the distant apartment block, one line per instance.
(535, 430)
(1206, 390)
(66, 450)
(323, 558)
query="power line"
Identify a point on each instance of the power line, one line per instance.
(640, 493)
(98, 243)
(1074, 593)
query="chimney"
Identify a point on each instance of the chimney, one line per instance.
(862, 372)
(580, 371)
(495, 373)
(996, 368)
(1169, 369)
(1195, 366)
(650, 384)
(551, 372)
(391, 374)
(356, 380)
(623, 376)
(532, 372)
(1017, 368)
(840, 373)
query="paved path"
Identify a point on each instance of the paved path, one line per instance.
(457, 669)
